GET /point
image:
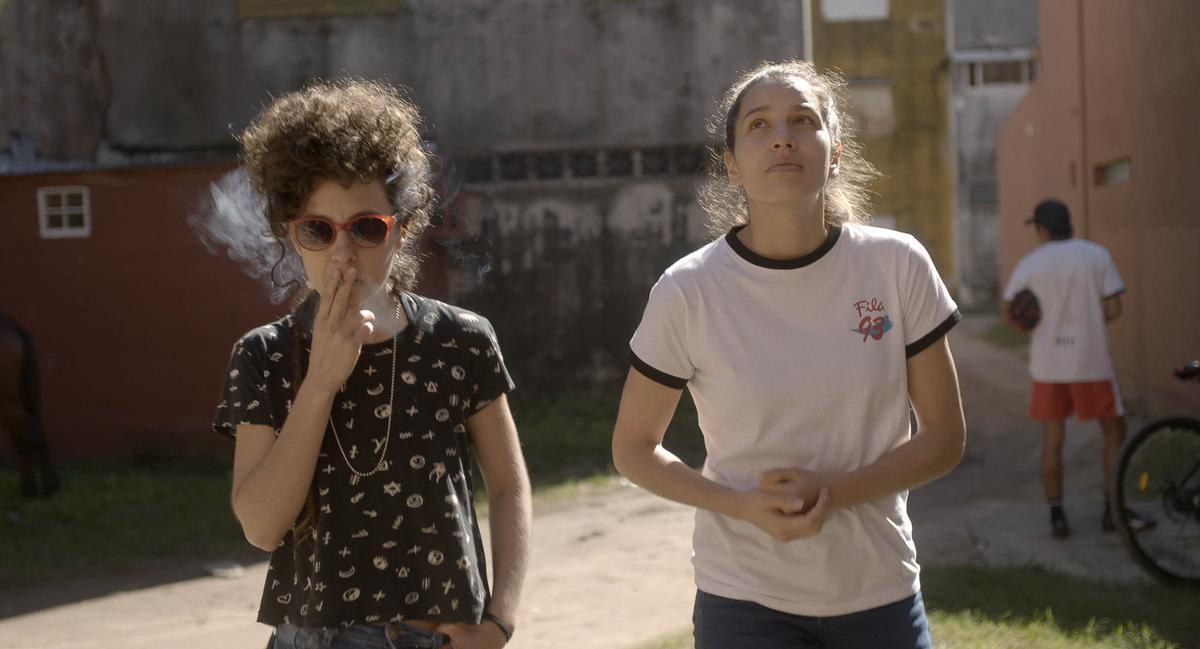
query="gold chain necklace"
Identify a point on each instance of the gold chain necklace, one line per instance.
(356, 475)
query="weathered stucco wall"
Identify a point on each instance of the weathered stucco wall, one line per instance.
(984, 33)
(570, 271)
(113, 94)
(179, 75)
(979, 114)
(53, 86)
(986, 24)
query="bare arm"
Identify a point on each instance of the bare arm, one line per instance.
(936, 448)
(498, 449)
(1112, 308)
(645, 412)
(272, 477)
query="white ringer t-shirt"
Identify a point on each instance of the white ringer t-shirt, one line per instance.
(1071, 278)
(799, 363)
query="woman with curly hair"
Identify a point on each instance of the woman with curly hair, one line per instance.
(357, 414)
(803, 335)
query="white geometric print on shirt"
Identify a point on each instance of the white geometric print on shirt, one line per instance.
(424, 470)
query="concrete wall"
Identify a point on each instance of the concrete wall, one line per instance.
(983, 34)
(176, 75)
(982, 31)
(53, 85)
(570, 272)
(909, 49)
(979, 113)
(1119, 80)
(987, 24)
(562, 265)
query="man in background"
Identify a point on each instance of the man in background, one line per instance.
(1078, 291)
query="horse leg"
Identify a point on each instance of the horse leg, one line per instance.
(32, 400)
(28, 473)
(49, 477)
(13, 425)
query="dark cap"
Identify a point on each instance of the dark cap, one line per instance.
(1054, 216)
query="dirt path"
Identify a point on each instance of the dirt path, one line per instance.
(610, 564)
(991, 508)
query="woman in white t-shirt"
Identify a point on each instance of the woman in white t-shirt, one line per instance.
(803, 336)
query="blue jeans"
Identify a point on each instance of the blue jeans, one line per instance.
(358, 636)
(723, 623)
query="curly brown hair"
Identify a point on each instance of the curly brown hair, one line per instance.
(847, 197)
(349, 130)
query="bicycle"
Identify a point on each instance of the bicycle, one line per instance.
(1158, 477)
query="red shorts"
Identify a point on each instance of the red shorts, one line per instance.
(1088, 400)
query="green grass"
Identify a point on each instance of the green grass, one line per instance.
(984, 608)
(1003, 335)
(120, 516)
(1043, 603)
(971, 630)
(114, 517)
(983, 308)
(569, 436)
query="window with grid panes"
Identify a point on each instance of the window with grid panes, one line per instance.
(64, 212)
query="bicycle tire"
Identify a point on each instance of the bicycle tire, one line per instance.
(1162, 453)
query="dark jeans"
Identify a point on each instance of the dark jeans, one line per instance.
(723, 623)
(358, 636)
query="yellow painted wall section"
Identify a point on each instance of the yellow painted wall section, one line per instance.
(908, 48)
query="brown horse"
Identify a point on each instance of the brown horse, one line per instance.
(20, 410)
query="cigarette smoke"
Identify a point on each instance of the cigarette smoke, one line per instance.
(231, 220)
(469, 255)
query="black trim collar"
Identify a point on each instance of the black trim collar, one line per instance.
(781, 264)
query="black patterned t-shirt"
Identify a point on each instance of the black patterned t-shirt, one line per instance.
(403, 542)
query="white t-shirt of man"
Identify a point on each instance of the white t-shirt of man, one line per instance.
(799, 363)
(1071, 278)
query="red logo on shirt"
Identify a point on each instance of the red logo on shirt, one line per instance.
(871, 326)
(868, 306)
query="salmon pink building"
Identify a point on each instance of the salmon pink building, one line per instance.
(1109, 127)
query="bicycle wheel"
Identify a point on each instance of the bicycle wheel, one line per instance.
(1158, 478)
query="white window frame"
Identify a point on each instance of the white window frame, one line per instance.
(883, 109)
(1114, 172)
(841, 11)
(974, 73)
(45, 211)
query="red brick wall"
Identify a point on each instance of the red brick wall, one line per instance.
(133, 324)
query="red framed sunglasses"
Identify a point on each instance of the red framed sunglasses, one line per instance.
(365, 230)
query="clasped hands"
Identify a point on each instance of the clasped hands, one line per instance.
(789, 504)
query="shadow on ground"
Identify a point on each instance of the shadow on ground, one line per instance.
(88, 584)
(114, 528)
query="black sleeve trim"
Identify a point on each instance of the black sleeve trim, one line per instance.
(922, 343)
(655, 375)
(1113, 295)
